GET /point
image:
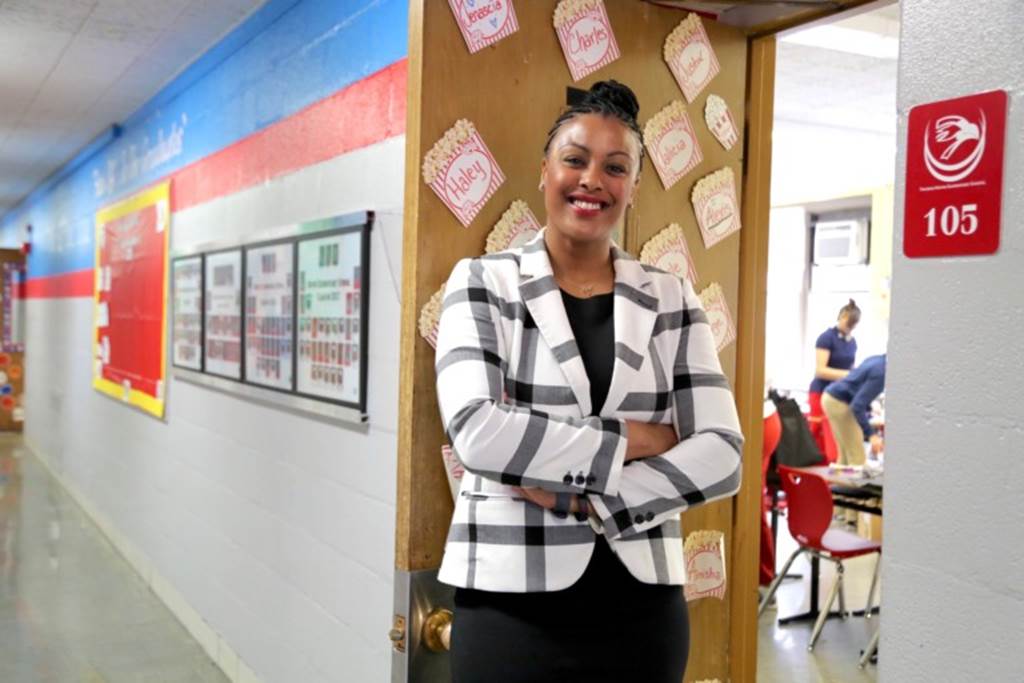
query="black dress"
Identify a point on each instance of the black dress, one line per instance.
(608, 626)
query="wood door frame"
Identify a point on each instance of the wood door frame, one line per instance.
(750, 359)
(414, 551)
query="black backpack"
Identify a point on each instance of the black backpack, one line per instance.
(796, 445)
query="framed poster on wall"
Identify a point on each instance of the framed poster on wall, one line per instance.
(331, 316)
(222, 324)
(269, 314)
(187, 286)
(130, 294)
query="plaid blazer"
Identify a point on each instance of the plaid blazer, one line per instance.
(515, 401)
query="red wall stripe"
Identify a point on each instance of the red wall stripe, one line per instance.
(362, 114)
(75, 283)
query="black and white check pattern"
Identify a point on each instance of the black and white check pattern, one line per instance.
(513, 394)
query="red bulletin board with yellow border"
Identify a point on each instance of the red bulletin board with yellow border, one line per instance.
(130, 321)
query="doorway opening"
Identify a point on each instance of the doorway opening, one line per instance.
(830, 244)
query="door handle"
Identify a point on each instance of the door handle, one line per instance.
(437, 630)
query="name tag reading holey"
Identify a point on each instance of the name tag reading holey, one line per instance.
(954, 185)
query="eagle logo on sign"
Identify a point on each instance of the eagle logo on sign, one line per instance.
(961, 144)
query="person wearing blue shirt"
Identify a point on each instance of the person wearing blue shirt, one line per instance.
(847, 404)
(834, 353)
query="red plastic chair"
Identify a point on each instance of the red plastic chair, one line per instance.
(772, 434)
(810, 516)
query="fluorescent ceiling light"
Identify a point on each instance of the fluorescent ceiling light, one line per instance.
(847, 40)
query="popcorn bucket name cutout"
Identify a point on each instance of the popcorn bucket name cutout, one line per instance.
(484, 22)
(705, 565)
(585, 34)
(462, 172)
(719, 317)
(430, 317)
(690, 57)
(670, 137)
(516, 227)
(714, 202)
(669, 251)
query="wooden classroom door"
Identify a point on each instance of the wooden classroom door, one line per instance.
(512, 92)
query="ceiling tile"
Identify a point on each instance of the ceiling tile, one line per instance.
(71, 68)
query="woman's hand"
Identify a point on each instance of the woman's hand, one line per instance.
(644, 439)
(546, 499)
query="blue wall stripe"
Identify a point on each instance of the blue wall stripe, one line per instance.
(286, 56)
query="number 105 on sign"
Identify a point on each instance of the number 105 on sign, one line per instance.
(954, 182)
(952, 220)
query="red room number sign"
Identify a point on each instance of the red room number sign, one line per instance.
(955, 176)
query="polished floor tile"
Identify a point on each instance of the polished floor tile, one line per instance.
(71, 609)
(782, 655)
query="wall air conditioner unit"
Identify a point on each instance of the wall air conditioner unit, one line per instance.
(841, 242)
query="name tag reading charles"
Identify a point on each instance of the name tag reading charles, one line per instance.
(462, 171)
(585, 33)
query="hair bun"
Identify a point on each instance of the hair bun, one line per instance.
(852, 303)
(617, 95)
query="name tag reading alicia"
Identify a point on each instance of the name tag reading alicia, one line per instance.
(672, 143)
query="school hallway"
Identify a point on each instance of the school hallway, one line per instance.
(71, 609)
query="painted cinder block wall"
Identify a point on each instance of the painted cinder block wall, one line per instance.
(953, 568)
(270, 534)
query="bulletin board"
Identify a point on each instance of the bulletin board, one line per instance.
(130, 295)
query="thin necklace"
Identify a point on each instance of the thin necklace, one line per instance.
(587, 289)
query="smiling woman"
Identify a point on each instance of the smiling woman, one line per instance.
(589, 175)
(558, 364)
